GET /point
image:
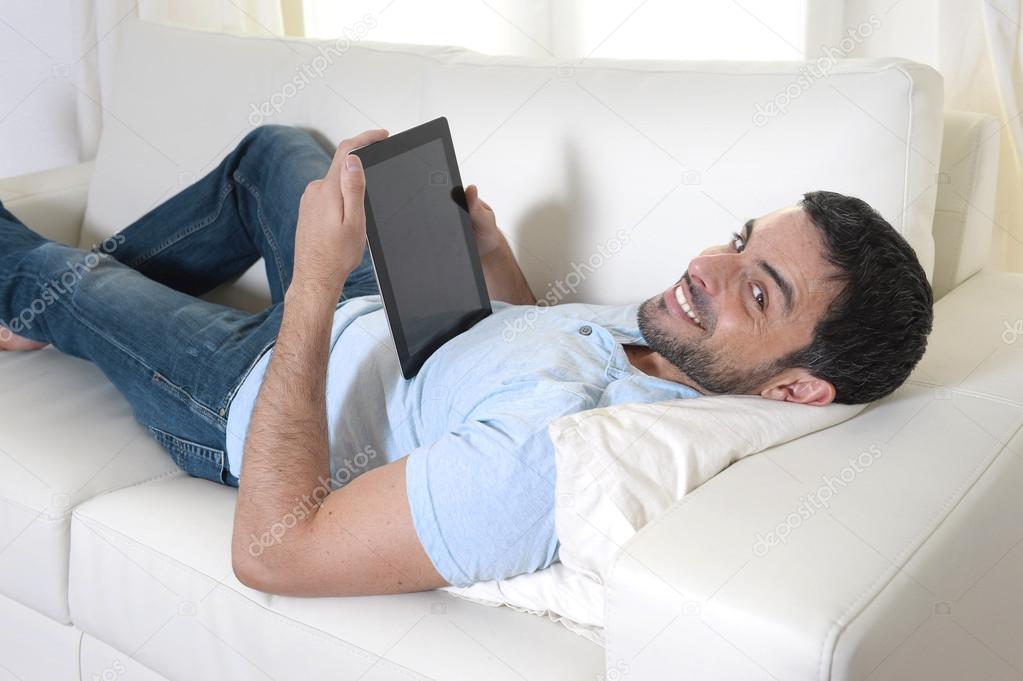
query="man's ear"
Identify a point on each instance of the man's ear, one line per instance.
(798, 385)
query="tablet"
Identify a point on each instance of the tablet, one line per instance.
(421, 241)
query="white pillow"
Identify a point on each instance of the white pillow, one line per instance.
(619, 468)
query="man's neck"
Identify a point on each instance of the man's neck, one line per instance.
(652, 363)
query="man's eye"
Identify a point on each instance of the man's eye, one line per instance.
(758, 295)
(738, 243)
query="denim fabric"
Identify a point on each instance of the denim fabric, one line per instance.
(129, 305)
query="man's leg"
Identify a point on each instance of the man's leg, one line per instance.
(244, 209)
(176, 359)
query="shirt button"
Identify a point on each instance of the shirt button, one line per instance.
(585, 330)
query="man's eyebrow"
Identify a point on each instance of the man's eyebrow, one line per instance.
(783, 284)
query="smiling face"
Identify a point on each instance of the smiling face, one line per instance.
(741, 307)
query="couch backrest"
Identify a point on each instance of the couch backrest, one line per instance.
(607, 175)
(965, 205)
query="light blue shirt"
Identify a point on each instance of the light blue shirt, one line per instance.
(473, 422)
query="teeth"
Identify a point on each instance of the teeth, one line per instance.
(684, 304)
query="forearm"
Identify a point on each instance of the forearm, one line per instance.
(504, 277)
(286, 463)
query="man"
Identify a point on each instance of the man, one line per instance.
(353, 480)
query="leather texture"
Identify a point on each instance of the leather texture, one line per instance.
(966, 193)
(568, 156)
(68, 435)
(53, 201)
(628, 169)
(159, 582)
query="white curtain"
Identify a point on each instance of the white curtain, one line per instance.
(231, 16)
(576, 29)
(981, 56)
(977, 45)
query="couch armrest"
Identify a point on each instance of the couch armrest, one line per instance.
(965, 207)
(51, 202)
(886, 547)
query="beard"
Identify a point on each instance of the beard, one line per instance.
(700, 363)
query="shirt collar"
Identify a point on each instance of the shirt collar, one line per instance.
(622, 321)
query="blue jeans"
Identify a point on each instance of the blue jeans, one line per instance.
(129, 305)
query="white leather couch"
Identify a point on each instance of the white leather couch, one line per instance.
(115, 564)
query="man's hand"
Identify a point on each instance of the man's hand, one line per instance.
(504, 278)
(331, 232)
(484, 223)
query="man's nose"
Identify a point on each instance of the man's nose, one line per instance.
(711, 271)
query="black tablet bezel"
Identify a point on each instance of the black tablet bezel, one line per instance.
(388, 148)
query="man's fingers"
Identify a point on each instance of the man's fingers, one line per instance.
(472, 198)
(360, 140)
(353, 189)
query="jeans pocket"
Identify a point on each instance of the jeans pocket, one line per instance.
(195, 459)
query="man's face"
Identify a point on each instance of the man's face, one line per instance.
(755, 299)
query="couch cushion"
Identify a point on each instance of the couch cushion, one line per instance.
(977, 342)
(67, 436)
(625, 169)
(151, 575)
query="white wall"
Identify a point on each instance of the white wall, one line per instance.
(38, 125)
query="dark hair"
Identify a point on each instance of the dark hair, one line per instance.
(875, 330)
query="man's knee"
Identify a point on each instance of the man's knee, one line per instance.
(62, 269)
(275, 136)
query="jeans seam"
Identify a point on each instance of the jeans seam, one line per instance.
(241, 179)
(201, 410)
(213, 455)
(187, 232)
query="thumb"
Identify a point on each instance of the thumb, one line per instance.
(472, 198)
(353, 187)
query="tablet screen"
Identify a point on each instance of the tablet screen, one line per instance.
(422, 245)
